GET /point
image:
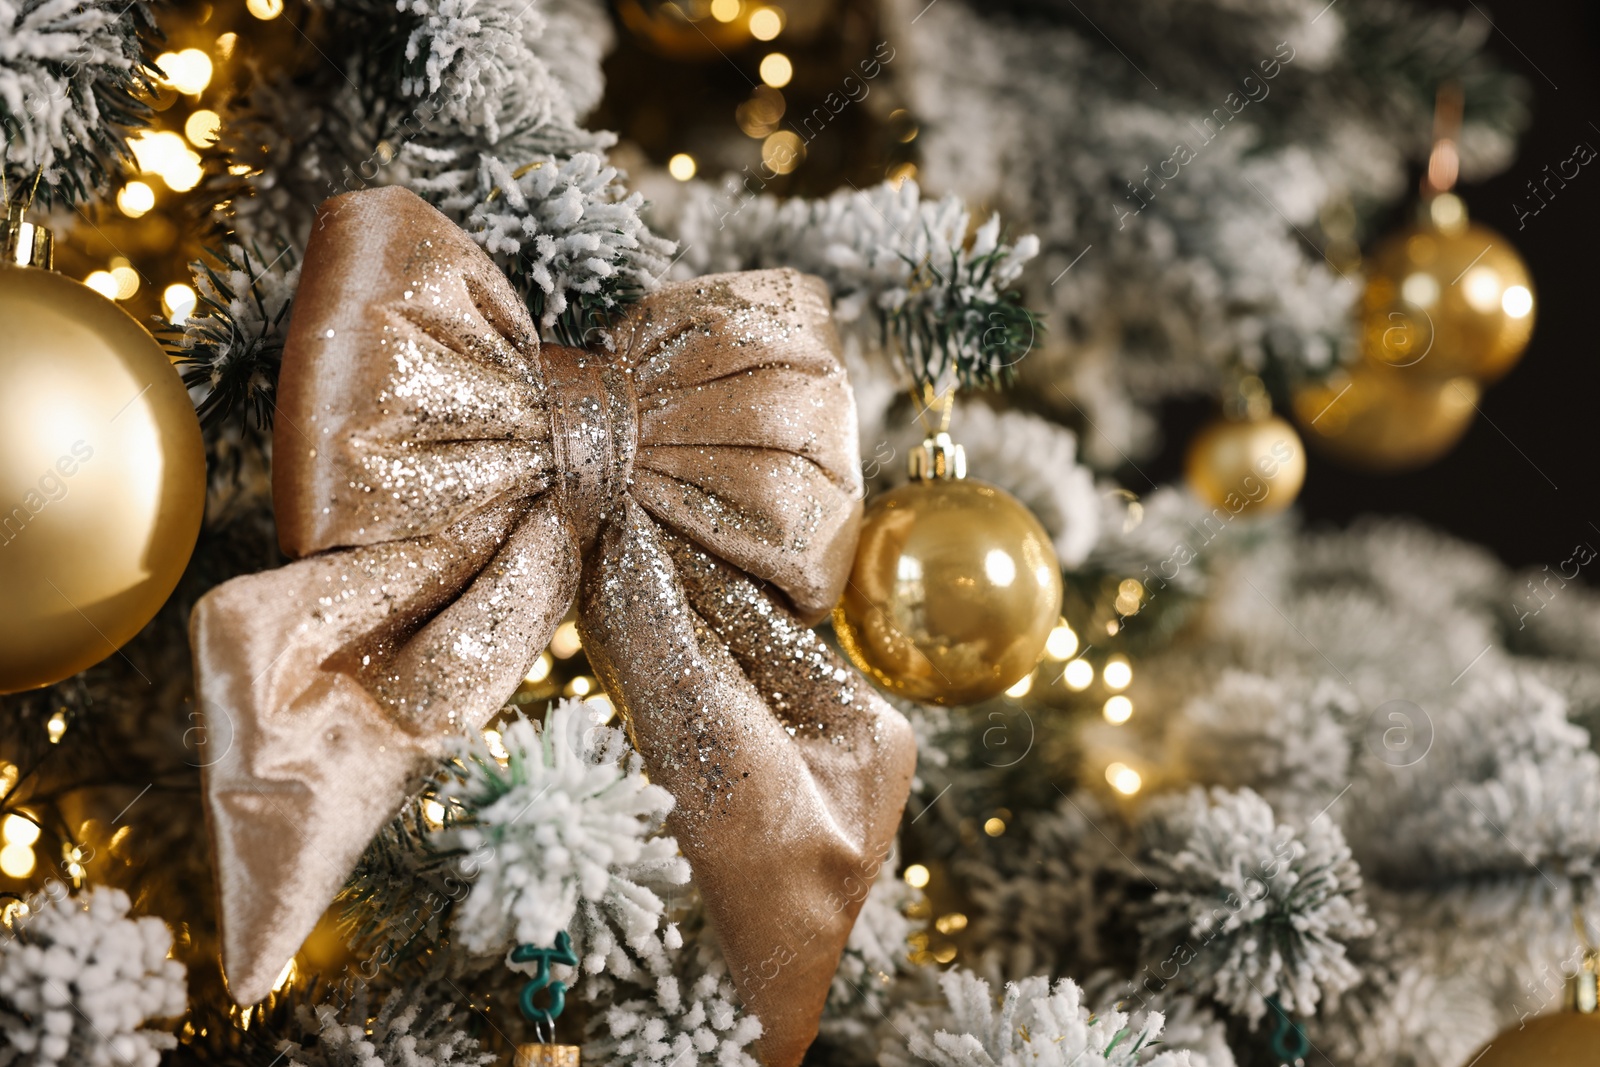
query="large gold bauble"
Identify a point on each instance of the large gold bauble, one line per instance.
(1253, 466)
(1564, 1039)
(1379, 419)
(1447, 302)
(954, 591)
(102, 477)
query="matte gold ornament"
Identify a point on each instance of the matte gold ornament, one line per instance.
(1252, 466)
(955, 586)
(1447, 298)
(1568, 1038)
(1379, 419)
(102, 471)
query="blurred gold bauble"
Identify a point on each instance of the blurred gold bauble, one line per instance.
(1379, 419)
(954, 591)
(1248, 466)
(666, 29)
(1447, 298)
(1564, 1039)
(102, 477)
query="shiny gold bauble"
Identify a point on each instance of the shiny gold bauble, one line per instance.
(102, 477)
(954, 591)
(1247, 466)
(1447, 302)
(1564, 1039)
(1379, 419)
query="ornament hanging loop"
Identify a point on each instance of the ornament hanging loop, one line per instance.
(1289, 1042)
(561, 953)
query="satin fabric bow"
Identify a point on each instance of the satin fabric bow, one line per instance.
(449, 487)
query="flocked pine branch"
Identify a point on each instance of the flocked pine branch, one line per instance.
(72, 75)
(406, 1027)
(79, 979)
(900, 267)
(1035, 1024)
(570, 238)
(569, 820)
(231, 345)
(1246, 908)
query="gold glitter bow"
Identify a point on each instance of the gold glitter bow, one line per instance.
(452, 486)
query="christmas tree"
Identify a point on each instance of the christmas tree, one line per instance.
(1257, 795)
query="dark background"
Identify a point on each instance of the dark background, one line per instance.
(1524, 480)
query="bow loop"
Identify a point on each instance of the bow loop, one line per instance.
(452, 487)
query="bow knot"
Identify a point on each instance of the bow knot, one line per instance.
(594, 433)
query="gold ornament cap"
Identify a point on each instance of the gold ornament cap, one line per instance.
(1583, 988)
(939, 457)
(538, 1054)
(24, 244)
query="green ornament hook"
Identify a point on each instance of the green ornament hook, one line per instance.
(562, 953)
(1289, 1041)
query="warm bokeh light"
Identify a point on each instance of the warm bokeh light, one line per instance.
(565, 642)
(682, 166)
(126, 277)
(1130, 597)
(776, 70)
(1482, 288)
(901, 173)
(994, 827)
(179, 300)
(766, 23)
(540, 669)
(16, 861)
(19, 830)
(1062, 642)
(953, 923)
(1448, 212)
(103, 283)
(1117, 710)
(1078, 675)
(783, 151)
(1024, 684)
(433, 813)
(725, 10)
(264, 9)
(188, 71)
(135, 198)
(579, 686)
(167, 154)
(1118, 673)
(916, 876)
(1517, 301)
(201, 128)
(1124, 779)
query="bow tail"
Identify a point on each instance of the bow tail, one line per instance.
(790, 774)
(307, 754)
